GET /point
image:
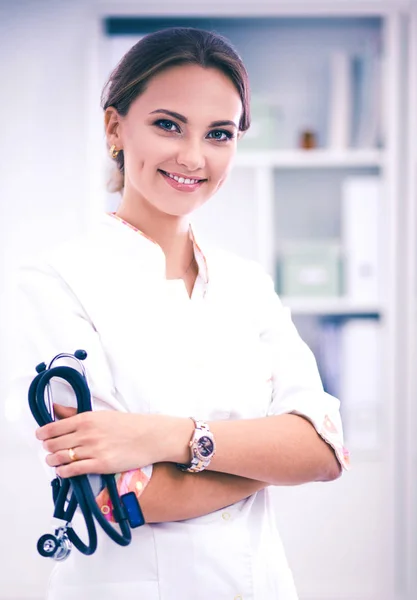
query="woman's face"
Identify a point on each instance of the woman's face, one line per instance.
(178, 138)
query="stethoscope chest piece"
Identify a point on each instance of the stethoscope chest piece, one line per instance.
(56, 546)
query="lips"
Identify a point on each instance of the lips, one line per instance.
(188, 180)
(181, 186)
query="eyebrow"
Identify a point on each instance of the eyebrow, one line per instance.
(184, 120)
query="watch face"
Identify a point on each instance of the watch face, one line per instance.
(205, 446)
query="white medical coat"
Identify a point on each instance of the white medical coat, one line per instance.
(229, 352)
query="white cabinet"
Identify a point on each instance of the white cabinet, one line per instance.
(348, 540)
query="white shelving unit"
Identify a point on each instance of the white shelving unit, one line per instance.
(348, 540)
(310, 159)
(330, 306)
(264, 165)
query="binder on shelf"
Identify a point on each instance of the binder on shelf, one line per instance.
(329, 355)
(367, 85)
(360, 225)
(359, 390)
(341, 94)
(354, 117)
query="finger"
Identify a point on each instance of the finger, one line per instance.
(63, 427)
(79, 467)
(62, 457)
(61, 443)
(63, 412)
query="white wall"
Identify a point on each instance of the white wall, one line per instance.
(43, 198)
(44, 97)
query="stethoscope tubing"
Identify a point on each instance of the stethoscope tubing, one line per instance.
(81, 492)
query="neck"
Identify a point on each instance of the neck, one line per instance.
(170, 232)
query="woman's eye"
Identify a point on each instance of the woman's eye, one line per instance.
(167, 125)
(221, 135)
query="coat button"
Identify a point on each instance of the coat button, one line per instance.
(238, 598)
(226, 517)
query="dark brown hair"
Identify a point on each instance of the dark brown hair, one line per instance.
(167, 48)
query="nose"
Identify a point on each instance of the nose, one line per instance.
(190, 155)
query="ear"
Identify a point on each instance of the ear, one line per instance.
(112, 121)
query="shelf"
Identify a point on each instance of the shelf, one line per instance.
(304, 159)
(330, 306)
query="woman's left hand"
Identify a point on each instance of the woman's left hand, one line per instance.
(111, 441)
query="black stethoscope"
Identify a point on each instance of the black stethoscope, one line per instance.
(77, 491)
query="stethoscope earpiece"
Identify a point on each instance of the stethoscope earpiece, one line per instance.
(80, 354)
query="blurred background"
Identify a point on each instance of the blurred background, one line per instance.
(323, 194)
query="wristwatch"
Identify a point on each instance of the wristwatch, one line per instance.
(202, 447)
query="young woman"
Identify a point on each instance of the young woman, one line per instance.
(175, 328)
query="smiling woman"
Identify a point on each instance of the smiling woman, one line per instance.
(173, 159)
(157, 54)
(216, 396)
(181, 148)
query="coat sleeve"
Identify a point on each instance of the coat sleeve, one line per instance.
(48, 320)
(296, 383)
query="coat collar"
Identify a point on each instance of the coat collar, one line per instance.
(154, 250)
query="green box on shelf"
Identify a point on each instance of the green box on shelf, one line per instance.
(262, 133)
(310, 268)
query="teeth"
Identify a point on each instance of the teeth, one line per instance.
(183, 180)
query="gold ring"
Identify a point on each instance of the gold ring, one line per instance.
(72, 454)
